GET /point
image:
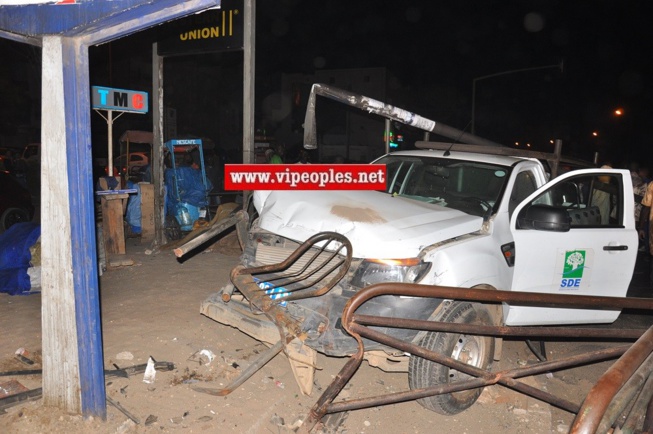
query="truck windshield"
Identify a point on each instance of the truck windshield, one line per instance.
(469, 186)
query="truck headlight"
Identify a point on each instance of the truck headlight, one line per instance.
(371, 271)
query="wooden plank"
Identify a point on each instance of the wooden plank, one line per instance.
(147, 212)
(115, 261)
(112, 223)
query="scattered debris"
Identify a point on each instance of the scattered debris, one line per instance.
(203, 357)
(150, 371)
(23, 355)
(150, 420)
(11, 387)
(277, 420)
(123, 410)
(125, 355)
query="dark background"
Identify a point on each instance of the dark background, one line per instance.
(433, 49)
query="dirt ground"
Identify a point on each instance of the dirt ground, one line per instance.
(152, 309)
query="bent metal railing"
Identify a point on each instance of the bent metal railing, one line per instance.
(315, 267)
(611, 396)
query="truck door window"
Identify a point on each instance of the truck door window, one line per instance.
(524, 185)
(590, 200)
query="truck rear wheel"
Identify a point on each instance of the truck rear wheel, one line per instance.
(472, 349)
(172, 229)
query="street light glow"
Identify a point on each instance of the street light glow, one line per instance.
(619, 112)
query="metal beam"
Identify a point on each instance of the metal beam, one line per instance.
(141, 18)
(73, 363)
(156, 165)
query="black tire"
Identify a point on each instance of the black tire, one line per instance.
(12, 216)
(474, 350)
(172, 229)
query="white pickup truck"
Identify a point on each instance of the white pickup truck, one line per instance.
(455, 218)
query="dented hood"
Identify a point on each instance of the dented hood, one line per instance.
(377, 224)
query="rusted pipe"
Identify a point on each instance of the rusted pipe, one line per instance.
(647, 428)
(637, 414)
(319, 409)
(505, 378)
(275, 272)
(626, 394)
(494, 296)
(597, 401)
(473, 329)
(408, 395)
(246, 374)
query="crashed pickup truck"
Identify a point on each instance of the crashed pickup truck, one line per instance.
(451, 215)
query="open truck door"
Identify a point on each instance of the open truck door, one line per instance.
(575, 235)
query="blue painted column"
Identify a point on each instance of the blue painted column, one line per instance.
(73, 360)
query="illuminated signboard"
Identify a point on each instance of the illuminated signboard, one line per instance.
(106, 98)
(211, 31)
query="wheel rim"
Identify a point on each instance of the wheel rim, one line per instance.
(469, 350)
(15, 216)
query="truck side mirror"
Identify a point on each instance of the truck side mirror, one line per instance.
(544, 218)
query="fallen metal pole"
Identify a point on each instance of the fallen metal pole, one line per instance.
(637, 413)
(388, 111)
(599, 398)
(123, 410)
(350, 322)
(246, 374)
(471, 329)
(210, 233)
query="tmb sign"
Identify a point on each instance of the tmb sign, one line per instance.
(106, 98)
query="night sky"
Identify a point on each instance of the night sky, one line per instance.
(435, 49)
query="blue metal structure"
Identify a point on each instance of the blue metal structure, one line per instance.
(187, 213)
(65, 32)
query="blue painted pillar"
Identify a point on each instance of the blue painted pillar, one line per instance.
(73, 361)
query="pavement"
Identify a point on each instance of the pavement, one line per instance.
(133, 293)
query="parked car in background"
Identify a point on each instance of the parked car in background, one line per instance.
(32, 152)
(4, 152)
(15, 202)
(4, 164)
(138, 162)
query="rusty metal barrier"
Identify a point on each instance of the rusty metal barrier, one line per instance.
(611, 397)
(311, 270)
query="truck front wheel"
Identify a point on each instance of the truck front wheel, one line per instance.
(474, 350)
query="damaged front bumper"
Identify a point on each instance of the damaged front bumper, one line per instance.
(303, 297)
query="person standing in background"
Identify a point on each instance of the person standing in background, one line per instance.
(639, 190)
(273, 156)
(644, 225)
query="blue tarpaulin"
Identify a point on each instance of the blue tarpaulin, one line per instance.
(15, 256)
(190, 186)
(133, 214)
